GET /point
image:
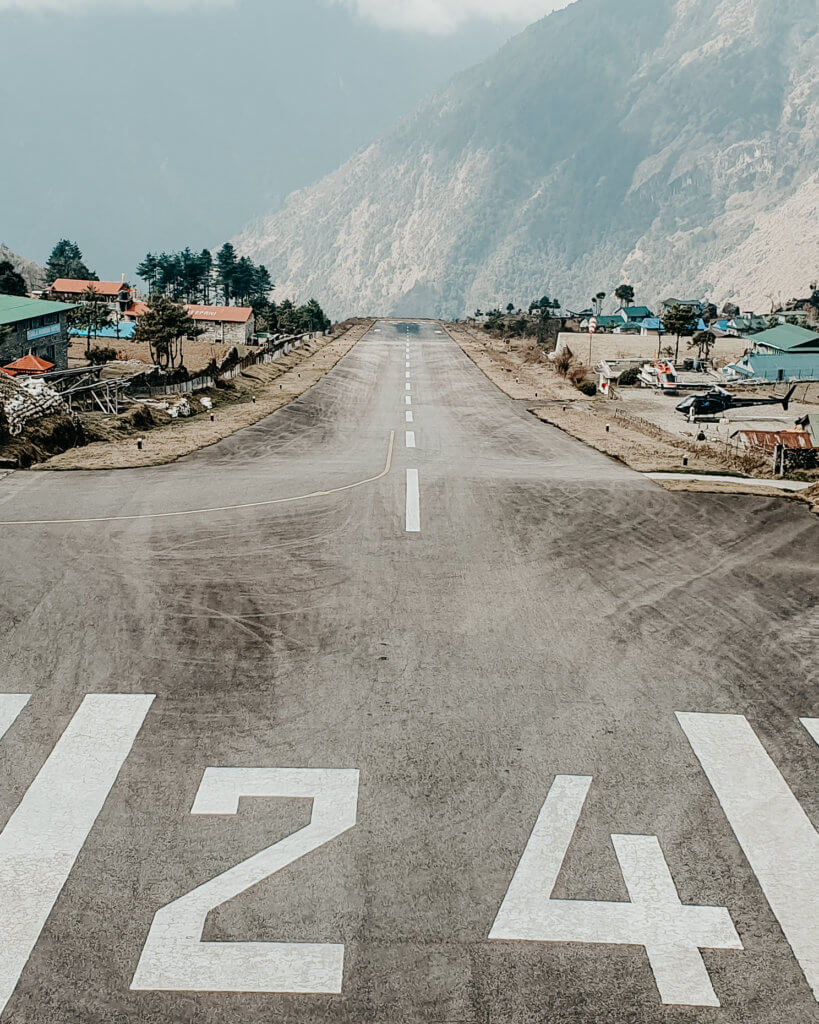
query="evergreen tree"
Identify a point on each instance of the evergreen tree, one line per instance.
(206, 268)
(147, 270)
(679, 320)
(11, 283)
(225, 269)
(164, 327)
(624, 295)
(66, 260)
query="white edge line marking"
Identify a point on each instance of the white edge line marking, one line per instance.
(220, 508)
(413, 502)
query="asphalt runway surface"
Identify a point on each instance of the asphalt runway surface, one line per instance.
(477, 727)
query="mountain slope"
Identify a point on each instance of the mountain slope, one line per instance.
(33, 273)
(670, 143)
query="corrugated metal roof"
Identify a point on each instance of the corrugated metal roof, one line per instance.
(768, 439)
(221, 314)
(15, 308)
(210, 314)
(69, 286)
(788, 338)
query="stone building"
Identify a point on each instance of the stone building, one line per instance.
(35, 326)
(228, 325)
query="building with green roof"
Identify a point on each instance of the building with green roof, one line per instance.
(787, 338)
(33, 325)
(634, 314)
(784, 353)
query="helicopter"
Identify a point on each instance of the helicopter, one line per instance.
(718, 400)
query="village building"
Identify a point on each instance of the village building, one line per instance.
(633, 314)
(696, 307)
(225, 325)
(34, 327)
(782, 353)
(118, 295)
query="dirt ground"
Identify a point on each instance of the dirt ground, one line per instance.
(197, 354)
(522, 372)
(631, 346)
(272, 387)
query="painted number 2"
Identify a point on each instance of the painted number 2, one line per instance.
(176, 959)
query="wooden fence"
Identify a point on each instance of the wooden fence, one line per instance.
(263, 357)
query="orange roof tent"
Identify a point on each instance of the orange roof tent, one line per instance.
(28, 365)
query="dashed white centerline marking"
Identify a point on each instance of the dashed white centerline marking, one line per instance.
(413, 502)
(410, 439)
(409, 387)
(409, 417)
(407, 375)
(408, 400)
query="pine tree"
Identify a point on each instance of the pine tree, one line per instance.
(66, 260)
(225, 270)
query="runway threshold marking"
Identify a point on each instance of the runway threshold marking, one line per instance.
(775, 833)
(812, 725)
(47, 831)
(217, 508)
(413, 517)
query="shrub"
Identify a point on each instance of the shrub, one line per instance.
(563, 360)
(628, 378)
(577, 374)
(101, 354)
(587, 387)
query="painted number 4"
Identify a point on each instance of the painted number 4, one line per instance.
(671, 933)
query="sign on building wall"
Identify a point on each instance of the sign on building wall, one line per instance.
(43, 332)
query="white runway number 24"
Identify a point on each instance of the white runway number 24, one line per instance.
(45, 834)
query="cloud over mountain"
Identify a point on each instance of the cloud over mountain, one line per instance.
(443, 16)
(83, 6)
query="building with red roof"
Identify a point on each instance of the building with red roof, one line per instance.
(230, 325)
(118, 295)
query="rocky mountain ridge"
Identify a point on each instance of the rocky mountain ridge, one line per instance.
(33, 273)
(671, 144)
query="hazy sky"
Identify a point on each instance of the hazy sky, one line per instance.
(131, 125)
